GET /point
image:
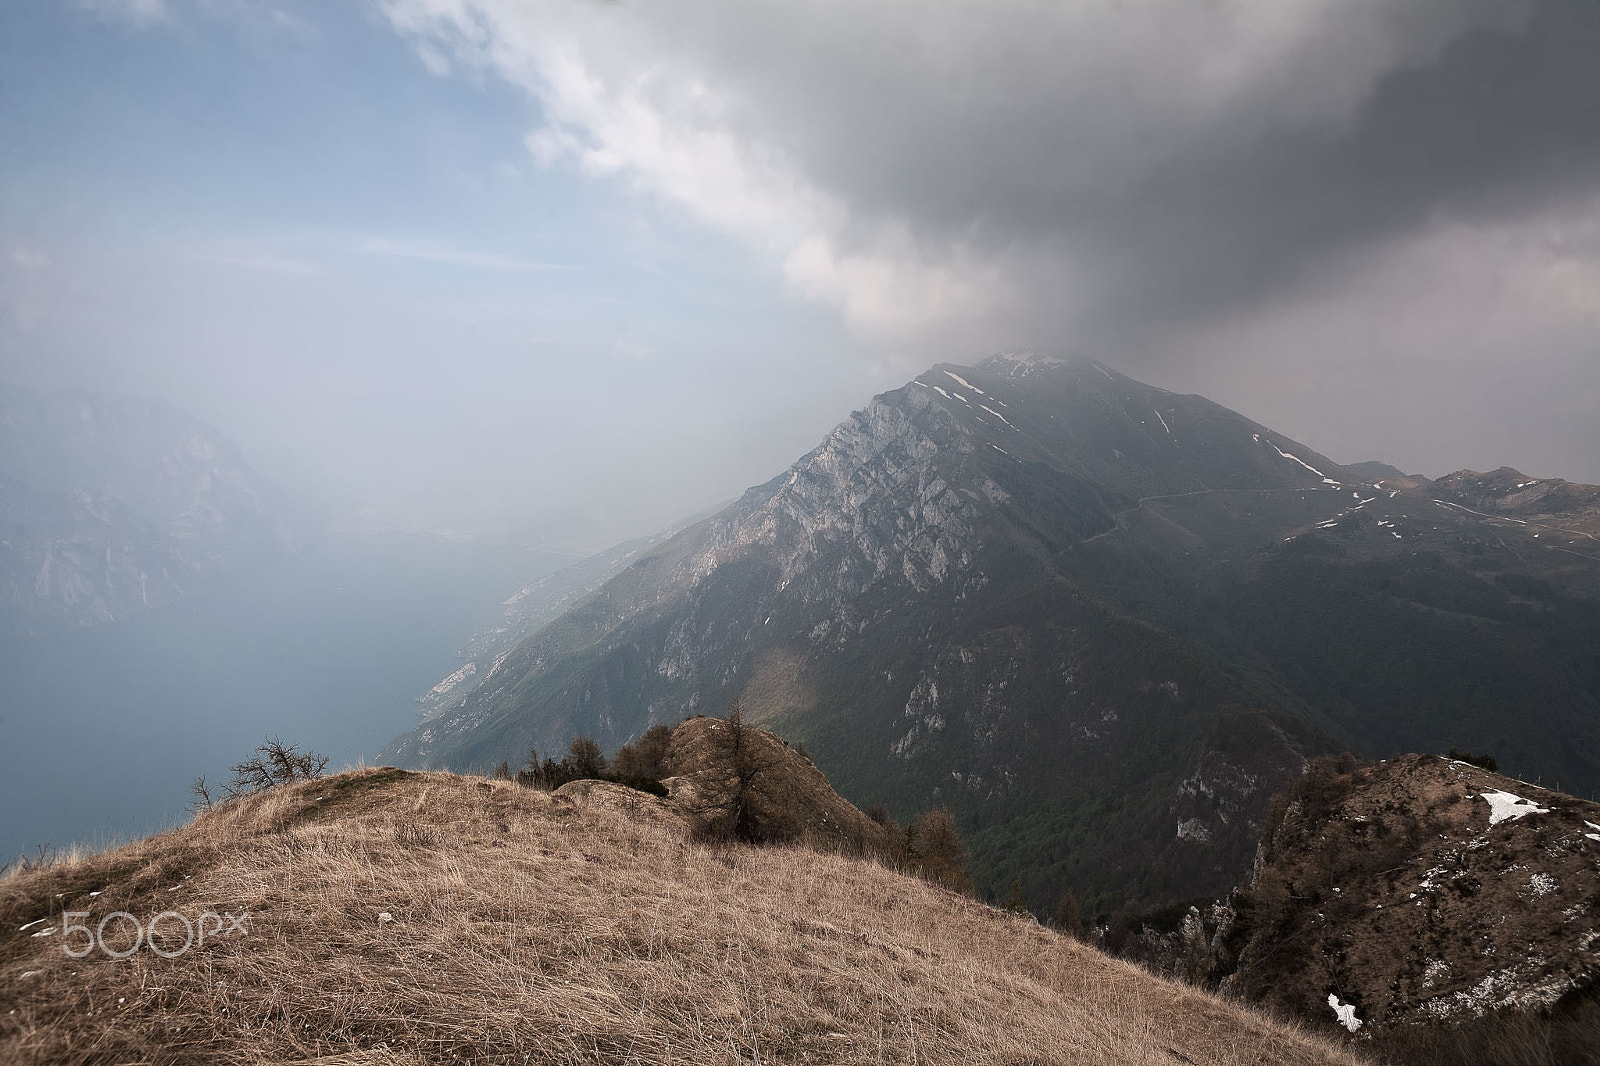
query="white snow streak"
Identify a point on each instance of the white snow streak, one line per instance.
(998, 415)
(965, 382)
(1295, 458)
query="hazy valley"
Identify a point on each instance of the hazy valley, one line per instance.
(197, 613)
(1108, 628)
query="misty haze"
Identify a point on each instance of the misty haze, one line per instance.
(560, 530)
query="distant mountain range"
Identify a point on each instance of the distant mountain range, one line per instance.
(110, 505)
(1101, 622)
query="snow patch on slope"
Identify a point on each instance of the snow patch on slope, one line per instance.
(1296, 459)
(998, 415)
(964, 382)
(1504, 806)
(1345, 1012)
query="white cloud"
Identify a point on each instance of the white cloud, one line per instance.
(29, 258)
(764, 120)
(138, 12)
(614, 106)
(895, 289)
(1458, 293)
(431, 252)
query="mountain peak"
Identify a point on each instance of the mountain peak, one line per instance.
(1024, 363)
(902, 597)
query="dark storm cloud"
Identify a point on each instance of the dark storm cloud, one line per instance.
(1196, 154)
(1503, 121)
(1477, 116)
(1367, 195)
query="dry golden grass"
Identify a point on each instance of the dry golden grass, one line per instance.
(583, 926)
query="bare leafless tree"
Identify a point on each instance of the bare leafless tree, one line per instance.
(203, 800)
(735, 788)
(275, 763)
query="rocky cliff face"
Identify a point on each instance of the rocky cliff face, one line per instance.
(893, 600)
(110, 505)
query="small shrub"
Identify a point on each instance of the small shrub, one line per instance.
(941, 856)
(585, 759)
(1116, 929)
(1067, 916)
(531, 774)
(646, 757)
(735, 788)
(43, 855)
(584, 762)
(203, 800)
(1484, 761)
(640, 784)
(1015, 901)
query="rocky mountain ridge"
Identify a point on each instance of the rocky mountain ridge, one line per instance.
(904, 540)
(1100, 621)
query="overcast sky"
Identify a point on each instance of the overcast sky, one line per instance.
(582, 268)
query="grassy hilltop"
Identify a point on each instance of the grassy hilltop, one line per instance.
(400, 917)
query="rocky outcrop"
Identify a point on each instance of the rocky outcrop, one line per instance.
(1420, 890)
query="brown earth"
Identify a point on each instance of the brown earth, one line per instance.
(1403, 891)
